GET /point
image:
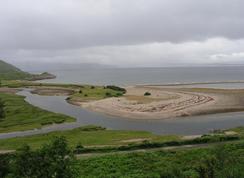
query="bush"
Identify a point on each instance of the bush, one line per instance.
(79, 148)
(119, 94)
(92, 87)
(46, 122)
(59, 121)
(108, 94)
(116, 88)
(91, 128)
(147, 94)
(2, 113)
(4, 165)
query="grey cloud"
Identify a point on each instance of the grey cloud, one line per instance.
(74, 24)
(211, 51)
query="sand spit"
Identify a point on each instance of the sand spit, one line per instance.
(167, 102)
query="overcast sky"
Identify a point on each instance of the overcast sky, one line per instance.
(123, 32)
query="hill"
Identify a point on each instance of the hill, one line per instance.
(10, 72)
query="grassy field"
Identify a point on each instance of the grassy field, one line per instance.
(87, 136)
(19, 115)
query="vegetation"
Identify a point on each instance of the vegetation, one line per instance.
(89, 93)
(147, 94)
(53, 160)
(19, 115)
(218, 162)
(2, 113)
(10, 72)
(56, 160)
(150, 145)
(86, 136)
(116, 88)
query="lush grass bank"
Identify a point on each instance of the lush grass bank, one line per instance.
(55, 159)
(19, 115)
(218, 162)
(87, 136)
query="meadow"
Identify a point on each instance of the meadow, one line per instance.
(20, 115)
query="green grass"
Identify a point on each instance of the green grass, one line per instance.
(87, 136)
(220, 162)
(88, 93)
(19, 115)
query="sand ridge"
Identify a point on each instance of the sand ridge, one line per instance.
(165, 103)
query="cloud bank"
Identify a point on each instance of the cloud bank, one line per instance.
(122, 32)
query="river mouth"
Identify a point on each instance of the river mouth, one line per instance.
(193, 125)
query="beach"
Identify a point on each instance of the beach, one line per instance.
(168, 102)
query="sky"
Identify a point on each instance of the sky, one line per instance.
(125, 33)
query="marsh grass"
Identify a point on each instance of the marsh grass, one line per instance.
(19, 115)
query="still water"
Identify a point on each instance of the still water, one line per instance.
(133, 76)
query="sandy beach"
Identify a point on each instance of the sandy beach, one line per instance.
(165, 102)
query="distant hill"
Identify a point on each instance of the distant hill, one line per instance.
(10, 72)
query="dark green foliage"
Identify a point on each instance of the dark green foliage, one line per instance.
(147, 144)
(54, 160)
(91, 128)
(79, 148)
(4, 165)
(219, 162)
(116, 88)
(2, 112)
(108, 94)
(80, 91)
(119, 94)
(92, 87)
(147, 94)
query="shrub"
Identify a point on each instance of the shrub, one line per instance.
(46, 122)
(108, 94)
(91, 128)
(147, 94)
(116, 88)
(79, 148)
(119, 94)
(59, 121)
(2, 113)
(92, 87)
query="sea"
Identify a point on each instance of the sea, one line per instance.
(138, 76)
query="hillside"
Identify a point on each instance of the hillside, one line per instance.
(10, 72)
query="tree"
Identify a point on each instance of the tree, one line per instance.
(54, 160)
